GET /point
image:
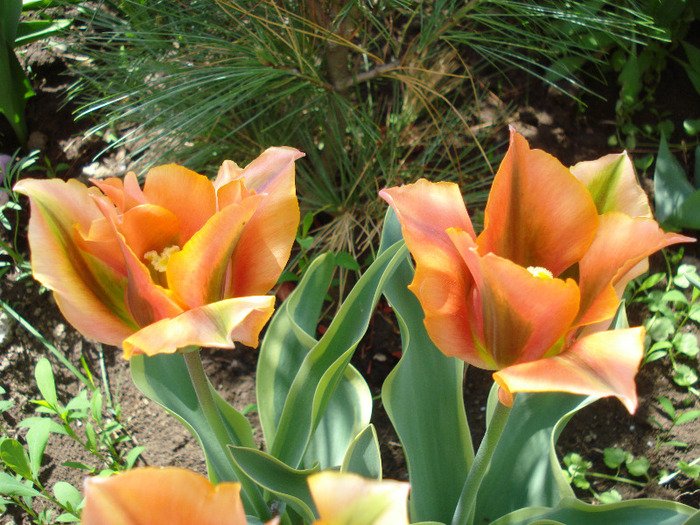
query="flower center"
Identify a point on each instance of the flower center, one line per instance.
(159, 261)
(538, 271)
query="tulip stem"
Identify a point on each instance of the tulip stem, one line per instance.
(200, 382)
(464, 513)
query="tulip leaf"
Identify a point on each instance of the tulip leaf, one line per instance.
(362, 456)
(348, 412)
(525, 471)
(423, 398)
(571, 511)
(165, 379)
(676, 201)
(324, 366)
(288, 484)
(287, 341)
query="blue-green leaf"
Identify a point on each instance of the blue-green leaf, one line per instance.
(362, 456)
(323, 367)
(634, 512)
(525, 471)
(423, 398)
(166, 380)
(288, 484)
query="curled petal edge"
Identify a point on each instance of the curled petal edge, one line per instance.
(601, 364)
(218, 325)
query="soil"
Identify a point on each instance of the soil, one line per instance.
(551, 121)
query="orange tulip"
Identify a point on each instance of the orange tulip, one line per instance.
(530, 295)
(173, 496)
(343, 498)
(161, 496)
(183, 262)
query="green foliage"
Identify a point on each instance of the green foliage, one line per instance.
(375, 94)
(672, 298)
(14, 33)
(640, 67)
(84, 419)
(677, 202)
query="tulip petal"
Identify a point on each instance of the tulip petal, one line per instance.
(522, 317)
(161, 496)
(600, 364)
(537, 214)
(442, 282)
(612, 183)
(197, 273)
(146, 301)
(190, 196)
(263, 250)
(89, 293)
(348, 498)
(124, 194)
(217, 325)
(147, 227)
(621, 243)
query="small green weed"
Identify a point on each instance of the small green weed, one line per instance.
(95, 425)
(578, 470)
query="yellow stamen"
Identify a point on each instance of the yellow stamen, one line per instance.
(160, 261)
(542, 273)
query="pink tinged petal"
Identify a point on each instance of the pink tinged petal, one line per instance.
(155, 496)
(621, 243)
(190, 196)
(442, 283)
(89, 292)
(537, 214)
(600, 364)
(217, 325)
(197, 273)
(229, 171)
(263, 250)
(124, 194)
(343, 498)
(524, 317)
(612, 183)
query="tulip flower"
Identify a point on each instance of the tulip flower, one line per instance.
(182, 262)
(173, 496)
(348, 498)
(530, 295)
(161, 496)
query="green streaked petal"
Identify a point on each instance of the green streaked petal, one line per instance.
(612, 183)
(217, 325)
(516, 315)
(89, 292)
(343, 498)
(538, 214)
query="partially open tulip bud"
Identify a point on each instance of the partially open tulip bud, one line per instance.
(183, 262)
